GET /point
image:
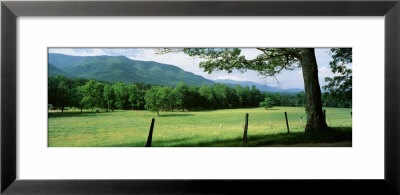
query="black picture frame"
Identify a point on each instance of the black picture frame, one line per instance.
(10, 10)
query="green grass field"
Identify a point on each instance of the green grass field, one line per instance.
(199, 128)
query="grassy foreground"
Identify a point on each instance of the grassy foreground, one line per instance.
(199, 128)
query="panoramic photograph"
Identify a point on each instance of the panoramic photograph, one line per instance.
(199, 97)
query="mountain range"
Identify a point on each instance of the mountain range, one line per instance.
(259, 86)
(121, 68)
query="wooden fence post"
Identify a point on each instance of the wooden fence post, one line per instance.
(150, 133)
(301, 121)
(246, 126)
(287, 123)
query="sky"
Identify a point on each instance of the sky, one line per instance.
(285, 80)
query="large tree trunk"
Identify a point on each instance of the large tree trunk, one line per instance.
(315, 117)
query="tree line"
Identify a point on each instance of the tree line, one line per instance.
(89, 94)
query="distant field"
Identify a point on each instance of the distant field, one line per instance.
(199, 128)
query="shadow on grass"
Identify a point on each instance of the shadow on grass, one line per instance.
(154, 143)
(280, 140)
(74, 114)
(174, 115)
(245, 108)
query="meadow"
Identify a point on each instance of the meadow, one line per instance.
(210, 128)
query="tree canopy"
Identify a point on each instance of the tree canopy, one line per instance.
(267, 103)
(340, 86)
(270, 62)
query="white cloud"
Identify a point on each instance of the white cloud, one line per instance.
(250, 53)
(231, 77)
(78, 51)
(323, 54)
